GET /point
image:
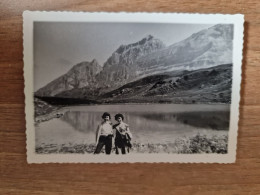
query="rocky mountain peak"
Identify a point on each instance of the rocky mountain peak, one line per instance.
(140, 43)
(147, 38)
(127, 54)
(219, 31)
(80, 75)
(94, 62)
(121, 65)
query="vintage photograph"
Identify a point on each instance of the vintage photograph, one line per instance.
(121, 88)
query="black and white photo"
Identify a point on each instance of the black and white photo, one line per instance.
(132, 87)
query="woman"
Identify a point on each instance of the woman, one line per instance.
(123, 134)
(104, 134)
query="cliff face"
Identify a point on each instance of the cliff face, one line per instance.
(80, 75)
(121, 67)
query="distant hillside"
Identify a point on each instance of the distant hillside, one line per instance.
(197, 86)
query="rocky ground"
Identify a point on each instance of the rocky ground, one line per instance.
(197, 144)
(44, 111)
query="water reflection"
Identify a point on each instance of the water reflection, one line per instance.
(148, 124)
(218, 120)
(88, 121)
(82, 121)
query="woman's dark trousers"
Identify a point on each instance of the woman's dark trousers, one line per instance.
(104, 140)
(122, 150)
(120, 143)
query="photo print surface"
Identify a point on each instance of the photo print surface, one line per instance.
(117, 90)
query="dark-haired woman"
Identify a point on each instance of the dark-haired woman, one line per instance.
(104, 134)
(123, 134)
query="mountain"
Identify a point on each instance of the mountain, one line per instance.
(80, 75)
(207, 48)
(121, 67)
(149, 61)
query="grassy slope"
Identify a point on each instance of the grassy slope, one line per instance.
(211, 85)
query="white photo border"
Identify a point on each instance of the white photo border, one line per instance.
(29, 17)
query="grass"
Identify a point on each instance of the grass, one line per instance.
(194, 145)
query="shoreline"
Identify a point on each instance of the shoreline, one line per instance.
(59, 112)
(149, 103)
(183, 145)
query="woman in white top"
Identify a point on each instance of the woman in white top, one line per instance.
(123, 134)
(104, 134)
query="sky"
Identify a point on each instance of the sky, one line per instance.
(58, 46)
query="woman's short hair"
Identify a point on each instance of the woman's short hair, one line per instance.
(105, 115)
(119, 115)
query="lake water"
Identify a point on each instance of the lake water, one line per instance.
(157, 123)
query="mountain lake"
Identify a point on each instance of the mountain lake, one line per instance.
(149, 123)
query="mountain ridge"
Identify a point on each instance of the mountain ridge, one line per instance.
(149, 56)
(81, 74)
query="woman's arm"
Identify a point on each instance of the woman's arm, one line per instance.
(98, 133)
(128, 131)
